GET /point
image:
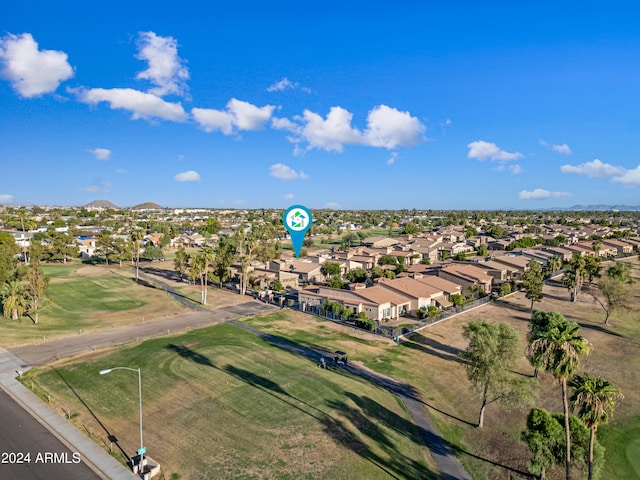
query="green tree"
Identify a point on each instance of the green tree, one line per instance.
(225, 254)
(212, 226)
(135, 236)
(357, 275)
(15, 299)
(63, 247)
(558, 349)
(595, 399)
(388, 260)
(539, 323)
(330, 269)
(592, 267)
(553, 264)
(410, 228)
(616, 295)
(532, 282)
(621, 271)
(457, 299)
(9, 251)
(151, 253)
(181, 261)
(104, 245)
(37, 285)
(335, 282)
(574, 276)
(543, 436)
(492, 350)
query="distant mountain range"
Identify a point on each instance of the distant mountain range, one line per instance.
(107, 204)
(602, 207)
(147, 206)
(100, 204)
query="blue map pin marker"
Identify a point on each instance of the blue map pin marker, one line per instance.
(297, 220)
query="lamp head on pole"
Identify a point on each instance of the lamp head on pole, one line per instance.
(107, 370)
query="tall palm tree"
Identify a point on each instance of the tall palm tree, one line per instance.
(553, 264)
(14, 299)
(574, 277)
(558, 349)
(595, 399)
(135, 236)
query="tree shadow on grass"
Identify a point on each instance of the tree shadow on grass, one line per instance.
(397, 466)
(461, 451)
(110, 436)
(192, 355)
(431, 346)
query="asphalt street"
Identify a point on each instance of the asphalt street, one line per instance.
(48, 458)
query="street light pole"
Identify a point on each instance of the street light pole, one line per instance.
(142, 450)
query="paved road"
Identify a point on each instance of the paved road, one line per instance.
(43, 353)
(22, 434)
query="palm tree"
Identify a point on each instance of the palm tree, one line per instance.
(14, 299)
(595, 399)
(558, 349)
(574, 278)
(553, 264)
(135, 236)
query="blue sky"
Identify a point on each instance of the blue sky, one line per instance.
(460, 105)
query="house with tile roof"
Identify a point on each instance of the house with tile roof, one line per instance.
(467, 275)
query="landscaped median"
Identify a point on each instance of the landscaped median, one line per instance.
(222, 403)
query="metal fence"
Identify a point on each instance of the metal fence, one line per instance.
(388, 331)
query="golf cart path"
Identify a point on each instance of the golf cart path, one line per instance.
(450, 467)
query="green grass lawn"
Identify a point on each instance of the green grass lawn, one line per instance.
(622, 443)
(83, 298)
(222, 403)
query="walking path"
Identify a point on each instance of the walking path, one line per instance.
(22, 358)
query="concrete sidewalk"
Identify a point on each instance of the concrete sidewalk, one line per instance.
(98, 460)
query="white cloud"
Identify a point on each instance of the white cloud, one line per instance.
(289, 196)
(285, 172)
(386, 127)
(390, 128)
(593, 169)
(392, 159)
(238, 115)
(121, 171)
(564, 149)
(32, 72)
(102, 187)
(481, 150)
(141, 104)
(515, 169)
(330, 134)
(630, 178)
(166, 69)
(188, 176)
(541, 194)
(282, 85)
(6, 198)
(100, 153)
(286, 84)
